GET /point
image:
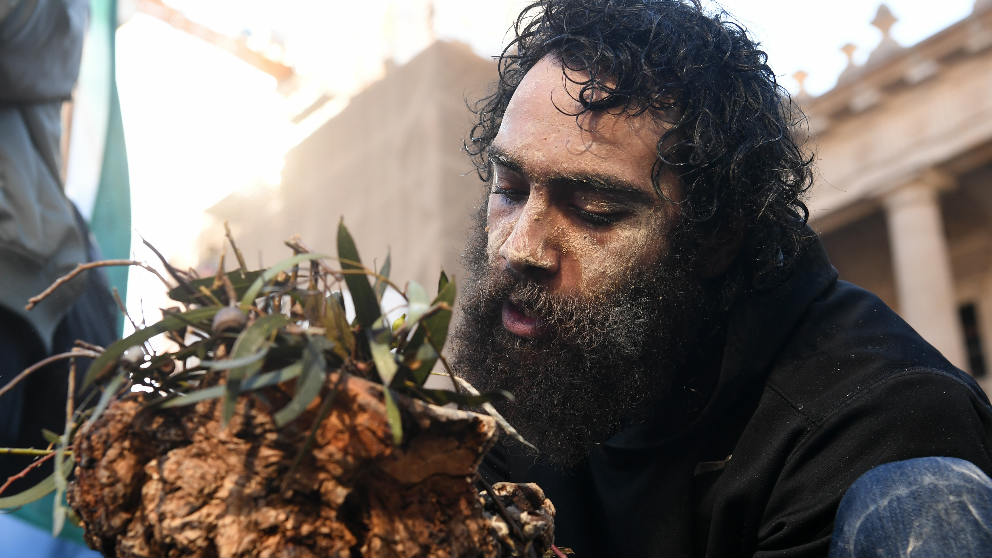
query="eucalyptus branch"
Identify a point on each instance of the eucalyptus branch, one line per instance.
(237, 253)
(41, 364)
(83, 267)
(26, 470)
(366, 271)
(79, 343)
(28, 451)
(123, 309)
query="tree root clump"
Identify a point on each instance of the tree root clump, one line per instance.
(174, 482)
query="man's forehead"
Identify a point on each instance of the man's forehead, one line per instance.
(541, 134)
(588, 181)
(547, 85)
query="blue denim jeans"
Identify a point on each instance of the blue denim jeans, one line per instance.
(930, 506)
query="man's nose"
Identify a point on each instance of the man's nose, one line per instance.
(531, 248)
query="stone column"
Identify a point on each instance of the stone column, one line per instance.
(985, 327)
(922, 264)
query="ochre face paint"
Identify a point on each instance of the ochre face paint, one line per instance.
(572, 200)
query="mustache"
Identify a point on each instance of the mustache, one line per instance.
(598, 323)
(532, 297)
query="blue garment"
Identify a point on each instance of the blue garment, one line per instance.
(929, 506)
(19, 540)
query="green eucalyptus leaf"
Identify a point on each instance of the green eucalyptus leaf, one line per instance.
(314, 306)
(422, 363)
(307, 388)
(380, 285)
(238, 281)
(251, 293)
(251, 384)
(36, 492)
(436, 325)
(417, 302)
(443, 397)
(105, 363)
(337, 327)
(393, 416)
(248, 343)
(105, 397)
(59, 509)
(442, 281)
(50, 437)
(366, 304)
(61, 471)
(227, 363)
(385, 364)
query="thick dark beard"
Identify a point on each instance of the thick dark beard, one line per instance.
(605, 361)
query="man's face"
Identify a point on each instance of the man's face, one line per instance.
(577, 304)
(572, 207)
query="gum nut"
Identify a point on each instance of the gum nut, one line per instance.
(229, 318)
(133, 355)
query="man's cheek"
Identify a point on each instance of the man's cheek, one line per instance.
(497, 231)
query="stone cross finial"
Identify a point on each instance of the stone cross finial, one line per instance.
(851, 69)
(800, 77)
(884, 20)
(848, 51)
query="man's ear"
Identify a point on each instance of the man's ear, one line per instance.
(723, 247)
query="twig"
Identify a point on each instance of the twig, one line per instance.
(491, 410)
(232, 297)
(40, 364)
(206, 292)
(26, 451)
(362, 270)
(237, 253)
(83, 267)
(459, 389)
(120, 306)
(220, 269)
(222, 280)
(70, 398)
(89, 346)
(26, 470)
(299, 248)
(173, 272)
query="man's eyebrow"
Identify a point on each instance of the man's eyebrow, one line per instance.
(504, 159)
(593, 182)
(604, 185)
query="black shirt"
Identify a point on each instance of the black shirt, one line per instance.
(819, 382)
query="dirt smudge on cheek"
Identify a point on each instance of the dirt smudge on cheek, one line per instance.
(497, 233)
(605, 259)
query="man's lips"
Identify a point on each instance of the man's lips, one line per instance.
(518, 322)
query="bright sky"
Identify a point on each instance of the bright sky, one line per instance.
(200, 124)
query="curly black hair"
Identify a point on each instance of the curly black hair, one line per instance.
(732, 139)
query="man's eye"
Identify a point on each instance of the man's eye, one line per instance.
(599, 219)
(511, 194)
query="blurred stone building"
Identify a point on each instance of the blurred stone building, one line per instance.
(390, 163)
(903, 195)
(902, 199)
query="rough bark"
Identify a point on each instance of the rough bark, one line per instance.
(174, 482)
